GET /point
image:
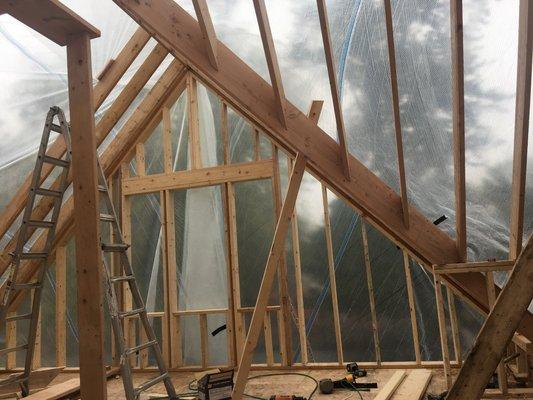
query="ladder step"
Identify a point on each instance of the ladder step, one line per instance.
(102, 188)
(115, 247)
(124, 314)
(25, 286)
(12, 349)
(124, 278)
(107, 218)
(55, 128)
(56, 161)
(32, 256)
(48, 192)
(148, 384)
(143, 346)
(40, 224)
(19, 317)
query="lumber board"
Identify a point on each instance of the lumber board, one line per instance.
(390, 387)
(277, 249)
(414, 386)
(206, 24)
(202, 177)
(523, 103)
(39, 379)
(478, 266)
(396, 111)
(89, 272)
(458, 123)
(271, 58)
(50, 18)
(249, 94)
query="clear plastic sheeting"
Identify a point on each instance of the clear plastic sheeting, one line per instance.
(33, 72)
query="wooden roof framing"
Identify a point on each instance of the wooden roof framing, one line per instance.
(248, 93)
(210, 37)
(523, 103)
(271, 58)
(50, 18)
(335, 95)
(458, 116)
(396, 112)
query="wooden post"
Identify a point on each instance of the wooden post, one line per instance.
(396, 112)
(442, 329)
(491, 294)
(454, 322)
(458, 116)
(523, 101)
(412, 306)
(276, 251)
(285, 342)
(332, 280)
(194, 123)
(87, 218)
(61, 306)
(368, 269)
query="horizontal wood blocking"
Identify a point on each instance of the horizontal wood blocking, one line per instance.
(482, 266)
(199, 177)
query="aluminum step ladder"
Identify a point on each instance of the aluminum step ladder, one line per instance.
(126, 276)
(15, 287)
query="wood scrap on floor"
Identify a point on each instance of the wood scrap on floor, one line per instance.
(414, 386)
(39, 379)
(390, 387)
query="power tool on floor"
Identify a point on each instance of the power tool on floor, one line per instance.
(287, 397)
(326, 386)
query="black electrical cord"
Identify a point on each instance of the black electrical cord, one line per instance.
(282, 374)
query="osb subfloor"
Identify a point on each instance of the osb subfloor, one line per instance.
(268, 386)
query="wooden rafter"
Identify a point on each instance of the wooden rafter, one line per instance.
(523, 102)
(208, 30)
(396, 112)
(249, 94)
(498, 330)
(50, 18)
(335, 95)
(277, 250)
(57, 149)
(271, 58)
(458, 115)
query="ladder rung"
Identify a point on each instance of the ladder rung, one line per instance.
(48, 192)
(122, 278)
(102, 188)
(148, 384)
(140, 347)
(23, 286)
(114, 247)
(19, 317)
(107, 218)
(12, 349)
(55, 128)
(32, 256)
(125, 314)
(40, 224)
(56, 161)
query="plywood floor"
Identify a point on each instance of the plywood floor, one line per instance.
(268, 386)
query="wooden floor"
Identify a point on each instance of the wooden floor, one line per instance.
(268, 386)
